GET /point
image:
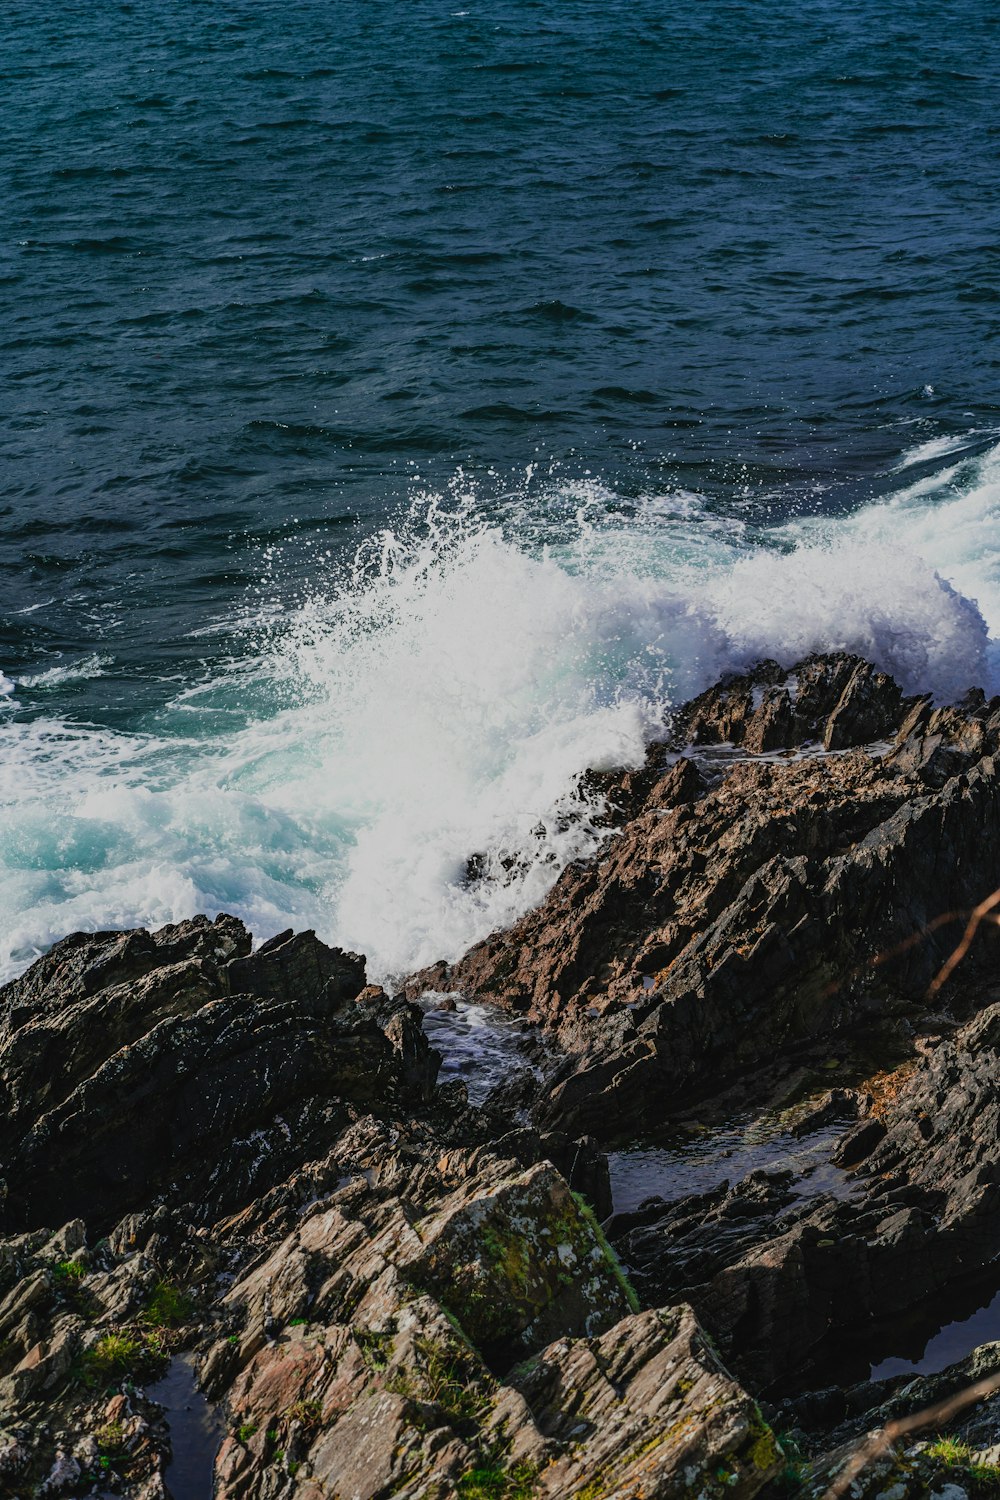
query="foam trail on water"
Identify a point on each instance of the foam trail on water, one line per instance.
(438, 699)
(78, 671)
(933, 449)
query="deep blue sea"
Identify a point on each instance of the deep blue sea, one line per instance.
(405, 403)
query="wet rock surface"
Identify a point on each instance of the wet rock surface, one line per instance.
(248, 1171)
(776, 1276)
(748, 900)
(378, 1289)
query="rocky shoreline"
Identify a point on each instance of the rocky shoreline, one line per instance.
(243, 1175)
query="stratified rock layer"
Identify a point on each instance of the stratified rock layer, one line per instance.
(353, 1362)
(388, 1295)
(123, 1056)
(750, 901)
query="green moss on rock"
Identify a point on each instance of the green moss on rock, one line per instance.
(523, 1265)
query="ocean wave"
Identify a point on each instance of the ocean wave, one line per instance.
(437, 697)
(936, 448)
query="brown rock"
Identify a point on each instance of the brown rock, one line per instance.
(711, 936)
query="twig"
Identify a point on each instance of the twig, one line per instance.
(931, 1416)
(973, 920)
(978, 914)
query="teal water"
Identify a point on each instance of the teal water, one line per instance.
(405, 404)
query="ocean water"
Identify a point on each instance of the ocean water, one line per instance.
(405, 404)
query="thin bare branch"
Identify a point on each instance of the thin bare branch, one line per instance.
(973, 920)
(977, 915)
(931, 1416)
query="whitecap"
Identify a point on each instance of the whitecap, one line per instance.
(439, 697)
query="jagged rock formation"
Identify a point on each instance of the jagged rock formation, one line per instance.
(377, 1349)
(747, 898)
(964, 1465)
(123, 1055)
(387, 1293)
(775, 1276)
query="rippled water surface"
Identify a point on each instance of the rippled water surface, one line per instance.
(405, 404)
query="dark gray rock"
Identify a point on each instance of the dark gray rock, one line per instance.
(136, 1065)
(777, 1278)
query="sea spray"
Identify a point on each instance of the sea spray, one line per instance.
(434, 698)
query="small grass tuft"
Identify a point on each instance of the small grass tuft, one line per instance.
(68, 1272)
(167, 1307)
(517, 1483)
(441, 1377)
(307, 1411)
(375, 1348)
(68, 1278)
(952, 1453)
(120, 1354)
(110, 1438)
(114, 1355)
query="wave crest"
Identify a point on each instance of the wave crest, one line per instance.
(437, 697)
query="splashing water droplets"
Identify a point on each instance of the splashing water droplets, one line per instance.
(457, 688)
(395, 759)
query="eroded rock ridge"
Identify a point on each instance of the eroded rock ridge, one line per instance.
(241, 1168)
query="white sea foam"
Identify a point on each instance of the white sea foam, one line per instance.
(877, 598)
(440, 698)
(933, 449)
(77, 671)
